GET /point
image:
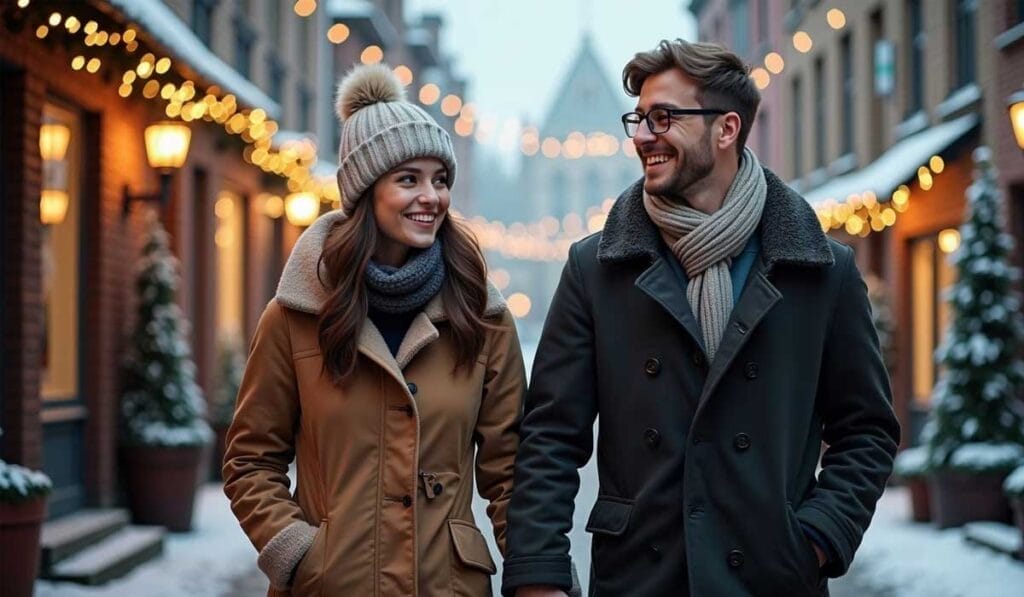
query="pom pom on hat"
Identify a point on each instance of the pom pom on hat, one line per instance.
(367, 85)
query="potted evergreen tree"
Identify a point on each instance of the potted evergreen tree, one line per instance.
(231, 366)
(164, 431)
(22, 510)
(976, 426)
(911, 467)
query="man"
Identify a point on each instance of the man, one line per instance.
(721, 337)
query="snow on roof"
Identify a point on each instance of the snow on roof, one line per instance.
(897, 165)
(170, 31)
(363, 10)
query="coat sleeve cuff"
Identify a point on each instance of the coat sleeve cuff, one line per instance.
(842, 550)
(283, 552)
(536, 570)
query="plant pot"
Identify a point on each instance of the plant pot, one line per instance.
(20, 526)
(217, 459)
(161, 484)
(960, 497)
(920, 499)
(1017, 504)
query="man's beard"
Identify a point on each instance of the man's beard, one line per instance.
(698, 162)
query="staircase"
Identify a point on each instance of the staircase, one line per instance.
(92, 547)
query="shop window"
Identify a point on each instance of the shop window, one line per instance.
(229, 239)
(932, 275)
(60, 206)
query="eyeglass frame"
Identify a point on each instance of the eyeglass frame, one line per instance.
(672, 112)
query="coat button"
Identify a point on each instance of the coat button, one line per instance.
(655, 551)
(697, 438)
(407, 501)
(741, 328)
(412, 388)
(735, 558)
(438, 488)
(652, 366)
(696, 512)
(698, 359)
(750, 370)
(652, 437)
(741, 441)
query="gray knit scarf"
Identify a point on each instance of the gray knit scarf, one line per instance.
(705, 244)
(407, 288)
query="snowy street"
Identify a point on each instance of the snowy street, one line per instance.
(897, 558)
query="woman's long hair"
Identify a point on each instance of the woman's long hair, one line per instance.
(347, 251)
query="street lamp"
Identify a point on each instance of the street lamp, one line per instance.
(166, 150)
(1016, 103)
(301, 209)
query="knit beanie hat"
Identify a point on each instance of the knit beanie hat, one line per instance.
(380, 130)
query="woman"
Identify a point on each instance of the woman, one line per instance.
(383, 362)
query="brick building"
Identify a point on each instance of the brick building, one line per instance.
(877, 104)
(67, 286)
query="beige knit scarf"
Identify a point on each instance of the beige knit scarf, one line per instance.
(705, 244)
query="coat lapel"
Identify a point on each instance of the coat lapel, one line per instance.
(757, 299)
(662, 284)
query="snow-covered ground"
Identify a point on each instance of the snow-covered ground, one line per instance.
(907, 559)
(206, 562)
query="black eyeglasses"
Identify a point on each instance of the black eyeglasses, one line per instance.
(659, 119)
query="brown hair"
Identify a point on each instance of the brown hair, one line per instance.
(347, 252)
(723, 81)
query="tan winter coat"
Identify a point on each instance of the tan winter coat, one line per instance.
(385, 464)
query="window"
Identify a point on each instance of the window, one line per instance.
(229, 238)
(273, 8)
(931, 274)
(277, 76)
(846, 76)
(60, 262)
(820, 149)
(964, 44)
(202, 19)
(915, 63)
(798, 128)
(244, 39)
(740, 16)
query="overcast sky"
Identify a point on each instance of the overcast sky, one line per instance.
(515, 52)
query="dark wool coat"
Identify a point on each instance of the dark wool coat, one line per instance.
(707, 471)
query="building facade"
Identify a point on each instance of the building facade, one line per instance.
(101, 72)
(876, 106)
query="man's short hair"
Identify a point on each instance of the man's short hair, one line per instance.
(723, 80)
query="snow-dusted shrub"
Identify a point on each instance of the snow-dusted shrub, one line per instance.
(912, 463)
(1014, 484)
(161, 404)
(986, 457)
(20, 484)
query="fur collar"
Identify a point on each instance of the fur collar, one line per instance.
(300, 288)
(790, 232)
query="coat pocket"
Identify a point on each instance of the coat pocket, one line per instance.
(610, 516)
(470, 546)
(806, 560)
(309, 571)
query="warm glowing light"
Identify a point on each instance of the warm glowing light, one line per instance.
(802, 42)
(273, 207)
(151, 89)
(551, 147)
(93, 65)
(73, 25)
(41, 31)
(55, 19)
(761, 77)
(937, 164)
(596, 222)
(1017, 117)
(450, 105)
(338, 33)
(429, 94)
(304, 8)
(23, 3)
(519, 305)
(404, 74)
(836, 19)
(302, 209)
(372, 55)
(224, 207)
(167, 144)
(924, 178)
(53, 206)
(128, 36)
(774, 63)
(854, 225)
(53, 141)
(92, 26)
(125, 90)
(949, 240)
(163, 65)
(463, 127)
(500, 278)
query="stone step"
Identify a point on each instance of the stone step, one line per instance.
(111, 558)
(1001, 537)
(64, 537)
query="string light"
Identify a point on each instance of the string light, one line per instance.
(338, 33)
